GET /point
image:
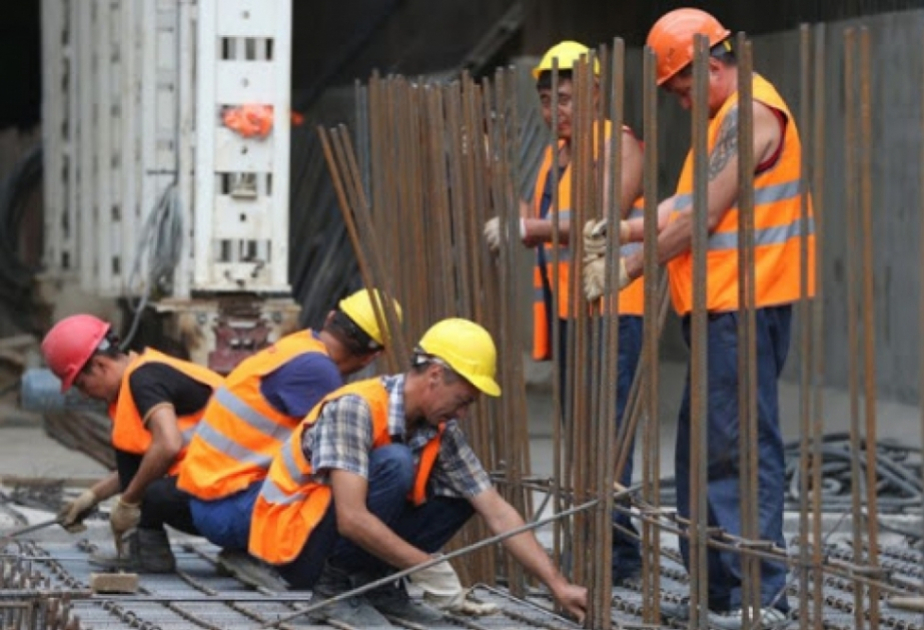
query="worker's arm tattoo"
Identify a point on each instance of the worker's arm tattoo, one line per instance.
(726, 146)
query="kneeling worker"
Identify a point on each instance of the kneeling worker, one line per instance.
(380, 476)
(155, 402)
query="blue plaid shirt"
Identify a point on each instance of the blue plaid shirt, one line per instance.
(342, 439)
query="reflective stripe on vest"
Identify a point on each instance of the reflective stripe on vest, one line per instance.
(241, 430)
(778, 225)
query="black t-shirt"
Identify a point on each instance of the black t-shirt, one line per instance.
(155, 383)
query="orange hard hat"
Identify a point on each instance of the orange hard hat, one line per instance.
(69, 345)
(671, 38)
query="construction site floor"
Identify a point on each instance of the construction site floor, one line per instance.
(197, 596)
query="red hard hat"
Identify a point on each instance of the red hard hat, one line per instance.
(671, 38)
(69, 345)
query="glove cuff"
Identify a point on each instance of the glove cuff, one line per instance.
(128, 504)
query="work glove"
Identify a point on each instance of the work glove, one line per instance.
(594, 277)
(443, 590)
(123, 518)
(595, 236)
(72, 513)
(493, 235)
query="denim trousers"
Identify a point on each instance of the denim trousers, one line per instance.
(722, 458)
(391, 476)
(226, 521)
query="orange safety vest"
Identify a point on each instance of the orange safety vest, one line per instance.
(241, 431)
(292, 503)
(129, 433)
(631, 299)
(777, 226)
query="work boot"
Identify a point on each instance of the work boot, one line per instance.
(769, 619)
(354, 611)
(392, 600)
(143, 551)
(251, 571)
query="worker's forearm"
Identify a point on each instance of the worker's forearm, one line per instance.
(540, 231)
(673, 241)
(106, 487)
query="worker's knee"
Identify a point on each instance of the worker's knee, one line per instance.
(393, 464)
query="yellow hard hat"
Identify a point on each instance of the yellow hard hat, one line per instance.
(358, 307)
(568, 54)
(467, 348)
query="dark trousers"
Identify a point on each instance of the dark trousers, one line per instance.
(626, 555)
(724, 492)
(391, 476)
(163, 503)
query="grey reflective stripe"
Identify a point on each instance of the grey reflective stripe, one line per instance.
(291, 465)
(636, 213)
(274, 494)
(226, 445)
(762, 196)
(776, 235)
(188, 434)
(247, 413)
(564, 254)
(563, 215)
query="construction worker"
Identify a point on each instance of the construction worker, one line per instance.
(262, 400)
(155, 402)
(778, 235)
(536, 231)
(380, 476)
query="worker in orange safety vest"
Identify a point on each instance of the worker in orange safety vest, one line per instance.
(380, 476)
(155, 402)
(261, 401)
(536, 230)
(780, 232)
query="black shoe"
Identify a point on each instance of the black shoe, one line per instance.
(354, 611)
(393, 600)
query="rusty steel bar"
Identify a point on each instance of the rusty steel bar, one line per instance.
(805, 338)
(818, 317)
(747, 344)
(559, 438)
(386, 314)
(868, 311)
(699, 379)
(850, 162)
(424, 565)
(651, 441)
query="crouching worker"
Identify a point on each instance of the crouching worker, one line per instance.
(379, 476)
(155, 402)
(262, 400)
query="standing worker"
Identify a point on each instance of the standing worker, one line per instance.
(380, 476)
(262, 400)
(778, 237)
(155, 402)
(536, 231)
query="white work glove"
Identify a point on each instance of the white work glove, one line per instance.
(123, 518)
(595, 236)
(443, 590)
(595, 277)
(72, 513)
(492, 233)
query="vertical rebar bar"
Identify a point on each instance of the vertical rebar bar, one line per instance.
(747, 347)
(699, 379)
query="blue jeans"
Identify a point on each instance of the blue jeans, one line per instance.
(626, 556)
(391, 476)
(724, 492)
(226, 522)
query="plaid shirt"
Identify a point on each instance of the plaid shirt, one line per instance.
(342, 439)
